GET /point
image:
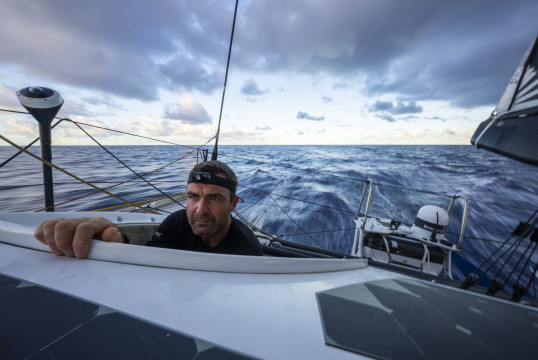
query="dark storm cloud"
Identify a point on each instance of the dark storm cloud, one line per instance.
(127, 48)
(187, 73)
(306, 116)
(459, 51)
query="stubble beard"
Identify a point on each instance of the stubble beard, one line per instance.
(204, 226)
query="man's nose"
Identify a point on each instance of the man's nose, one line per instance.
(202, 207)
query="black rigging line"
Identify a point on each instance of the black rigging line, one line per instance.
(215, 149)
(516, 242)
(16, 111)
(77, 182)
(27, 146)
(523, 256)
(299, 226)
(292, 167)
(108, 129)
(295, 199)
(321, 232)
(533, 278)
(135, 135)
(124, 164)
(526, 262)
(285, 166)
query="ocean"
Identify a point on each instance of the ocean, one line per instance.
(310, 193)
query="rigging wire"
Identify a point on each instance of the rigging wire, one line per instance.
(298, 169)
(233, 157)
(296, 199)
(77, 123)
(114, 130)
(258, 161)
(526, 262)
(27, 146)
(521, 231)
(299, 226)
(76, 182)
(139, 136)
(127, 166)
(133, 179)
(139, 202)
(215, 149)
(69, 174)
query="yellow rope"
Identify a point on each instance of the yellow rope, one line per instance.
(72, 175)
(138, 202)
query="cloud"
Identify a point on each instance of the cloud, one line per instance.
(9, 98)
(327, 99)
(386, 117)
(398, 109)
(421, 55)
(188, 111)
(154, 127)
(263, 128)
(251, 88)
(450, 51)
(184, 72)
(18, 126)
(97, 45)
(305, 115)
(387, 110)
(72, 131)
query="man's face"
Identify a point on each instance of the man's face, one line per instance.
(208, 210)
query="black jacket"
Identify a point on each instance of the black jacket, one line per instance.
(176, 233)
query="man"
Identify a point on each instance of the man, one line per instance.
(205, 225)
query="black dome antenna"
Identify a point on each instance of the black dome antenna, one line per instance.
(43, 104)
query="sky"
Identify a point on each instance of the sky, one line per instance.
(301, 72)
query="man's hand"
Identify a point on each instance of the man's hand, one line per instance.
(72, 237)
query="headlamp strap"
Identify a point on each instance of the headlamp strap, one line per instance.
(203, 177)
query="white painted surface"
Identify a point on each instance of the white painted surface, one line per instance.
(18, 230)
(271, 316)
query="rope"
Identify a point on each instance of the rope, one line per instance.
(135, 135)
(299, 226)
(300, 200)
(137, 202)
(298, 169)
(517, 242)
(27, 146)
(125, 165)
(124, 182)
(69, 174)
(526, 262)
(77, 123)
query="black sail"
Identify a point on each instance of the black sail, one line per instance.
(512, 130)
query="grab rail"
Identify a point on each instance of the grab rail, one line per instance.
(371, 184)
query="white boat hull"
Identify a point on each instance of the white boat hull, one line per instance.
(245, 312)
